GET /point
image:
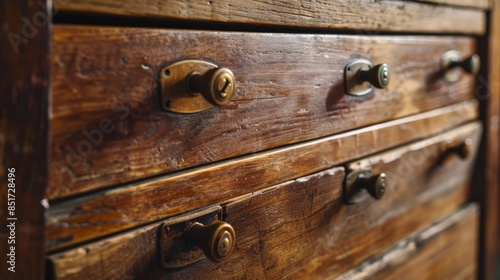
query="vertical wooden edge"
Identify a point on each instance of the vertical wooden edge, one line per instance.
(488, 92)
(24, 108)
(493, 214)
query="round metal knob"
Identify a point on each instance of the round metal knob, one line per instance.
(378, 76)
(216, 240)
(463, 150)
(216, 85)
(375, 185)
(470, 65)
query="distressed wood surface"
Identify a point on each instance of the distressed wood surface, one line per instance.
(362, 16)
(24, 135)
(107, 128)
(490, 167)
(446, 250)
(301, 228)
(481, 4)
(108, 211)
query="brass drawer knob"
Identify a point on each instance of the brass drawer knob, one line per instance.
(451, 63)
(375, 185)
(360, 76)
(470, 65)
(192, 86)
(463, 150)
(216, 85)
(377, 76)
(216, 240)
(361, 184)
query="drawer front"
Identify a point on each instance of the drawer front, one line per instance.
(107, 127)
(446, 250)
(105, 212)
(366, 17)
(304, 227)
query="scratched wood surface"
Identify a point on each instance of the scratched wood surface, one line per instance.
(107, 127)
(108, 211)
(24, 137)
(302, 228)
(446, 250)
(358, 15)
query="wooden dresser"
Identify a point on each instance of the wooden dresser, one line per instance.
(250, 139)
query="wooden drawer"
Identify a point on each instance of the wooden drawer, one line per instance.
(303, 227)
(107, 128)
(446, 250)
(365, 17)
(102, 213)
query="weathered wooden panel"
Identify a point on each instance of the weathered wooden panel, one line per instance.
(107, 127)
(107, 212)
(481, 4)
(490, 167)
(359, 15)
(446, 250)
(24, 136)
(301, 228)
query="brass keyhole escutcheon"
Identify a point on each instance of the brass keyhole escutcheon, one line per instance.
(192, 86)
(216, 240)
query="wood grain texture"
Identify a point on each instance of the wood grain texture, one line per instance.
(24, 135)
(302, 228)
(107, 127)
(490, 199)
(494, 136)
(359, 15)
(108, 211)
(481, 4)
(446, 250)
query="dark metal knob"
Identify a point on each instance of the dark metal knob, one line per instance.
(462, 150)
(216, 85)
(216, 240)
(375, 185)
(378, 76)
(470, 65)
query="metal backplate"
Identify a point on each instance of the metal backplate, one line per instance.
(175, 93)
(453, 74)
(175, 252)
(353, 193)
(353, 85)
